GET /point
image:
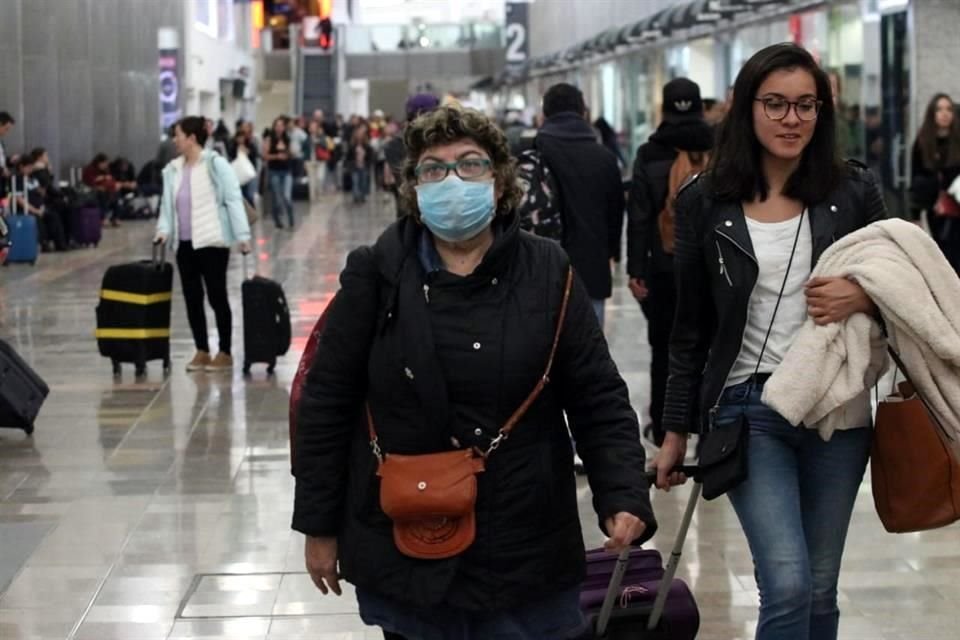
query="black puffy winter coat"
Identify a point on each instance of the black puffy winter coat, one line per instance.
(443, 359)
(591, 197)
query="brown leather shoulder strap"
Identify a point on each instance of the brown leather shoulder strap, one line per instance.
(545, 379)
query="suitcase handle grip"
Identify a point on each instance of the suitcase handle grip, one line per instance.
(691, 471)
(159, 253)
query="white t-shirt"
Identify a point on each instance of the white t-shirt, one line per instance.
(772, 244)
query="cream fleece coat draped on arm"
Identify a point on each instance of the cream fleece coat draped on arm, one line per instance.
(826, 377)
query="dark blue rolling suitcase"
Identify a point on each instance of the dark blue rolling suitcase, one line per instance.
(24, 239)
(23, 234)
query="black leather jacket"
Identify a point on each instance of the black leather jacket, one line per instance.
(716, 271)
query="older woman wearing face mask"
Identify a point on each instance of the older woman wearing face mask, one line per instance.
(438, 335)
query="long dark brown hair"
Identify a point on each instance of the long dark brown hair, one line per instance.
(737, 162)
(929, 132)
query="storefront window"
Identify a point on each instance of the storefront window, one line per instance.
(638, 103)
(749, 40)
(844, 60)
(678, 62)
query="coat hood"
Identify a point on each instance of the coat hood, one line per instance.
(569, 126)
(688, 135)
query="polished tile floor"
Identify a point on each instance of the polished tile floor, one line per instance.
(160, 508)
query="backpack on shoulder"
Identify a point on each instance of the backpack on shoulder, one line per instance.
(686, 165)
(539, 207)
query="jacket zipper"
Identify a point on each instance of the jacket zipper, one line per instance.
(716, 403)
(426, 293)
(723, 266)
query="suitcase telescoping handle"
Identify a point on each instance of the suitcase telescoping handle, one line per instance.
(159, 253)
(669, 572)
(12, 198)
(245, 258)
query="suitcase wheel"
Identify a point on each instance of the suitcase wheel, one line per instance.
(246, 368)
(166, 367)
(141, 370)
(116, 368)
(271, 367)
(28, 429)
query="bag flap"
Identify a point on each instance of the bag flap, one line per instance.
(437, 484)
(720, 444)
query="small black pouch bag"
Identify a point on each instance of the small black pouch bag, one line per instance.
(723, 458)
(723, 454)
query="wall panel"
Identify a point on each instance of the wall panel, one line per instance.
(80, 76)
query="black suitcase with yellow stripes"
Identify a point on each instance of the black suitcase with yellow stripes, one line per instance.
(133, 317)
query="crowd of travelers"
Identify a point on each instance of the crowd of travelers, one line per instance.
(468, 339)
(444, 325)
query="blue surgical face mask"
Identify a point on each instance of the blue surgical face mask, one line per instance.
(455, 210)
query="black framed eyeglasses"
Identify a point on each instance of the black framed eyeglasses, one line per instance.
(778, 108)
(466, 168)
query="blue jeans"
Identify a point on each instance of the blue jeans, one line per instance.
(795, 510)
(361, 184)
(249, 191)
(281, 190)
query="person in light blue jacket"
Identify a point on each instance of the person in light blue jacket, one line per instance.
(202, 213)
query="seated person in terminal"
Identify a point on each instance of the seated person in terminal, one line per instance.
(55, 202)
(124, 176)
(49, 225)
(96, 175)
(442, 330)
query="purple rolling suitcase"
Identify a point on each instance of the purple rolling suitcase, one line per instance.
(86, 225)
(633, 597)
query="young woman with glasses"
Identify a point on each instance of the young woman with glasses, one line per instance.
(748, 234)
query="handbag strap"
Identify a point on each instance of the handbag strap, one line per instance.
(514, 419)
(544, 379)
(906, 374)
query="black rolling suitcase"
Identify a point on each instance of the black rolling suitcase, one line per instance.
(133, 317)
(266, 321)
(22, 391)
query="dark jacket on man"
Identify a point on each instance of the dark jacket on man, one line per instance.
(716, 271)
(443, 361)
(648, 194)
(591, 197)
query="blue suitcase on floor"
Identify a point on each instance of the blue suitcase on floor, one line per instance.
(24, 239)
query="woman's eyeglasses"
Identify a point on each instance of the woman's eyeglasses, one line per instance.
(778, 108)
(466, 168)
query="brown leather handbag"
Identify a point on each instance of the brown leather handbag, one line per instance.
(431, 498)
(915, 478)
